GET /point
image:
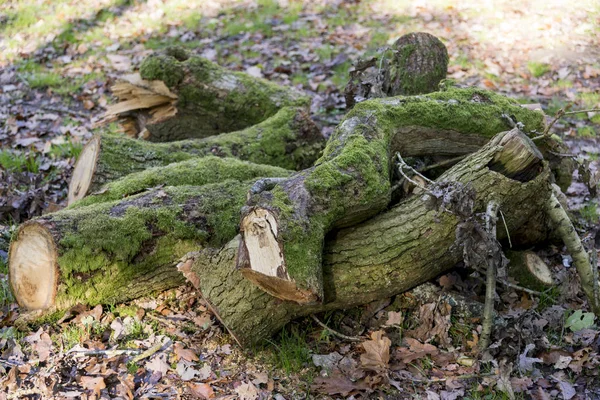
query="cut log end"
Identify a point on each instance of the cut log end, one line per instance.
(261, 260)
(33, 268)
(530, 270)
(84, 171)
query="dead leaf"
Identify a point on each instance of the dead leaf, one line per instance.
(525, 362)
(185, 354)
(415, 351)
(377, 352)
(337, 384)
(247, 391)
(95, 384)
(201, 390)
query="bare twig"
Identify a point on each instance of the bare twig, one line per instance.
(109, 353)
(490, 284)
(582, 111)
(506, 228)
(450, 161)
(508, 284)
(151, 351)
(581, 259)
(336, 333)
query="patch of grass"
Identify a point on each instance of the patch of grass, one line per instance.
(18, 162)
(589, 99)
(291, 349)
(42, 80)
(73, 335)
(66, 150)
(555, 104)
(589, 212)
(564, 84)
(586, 131)
(548, 298)
(340, 74)
(489, 394)
(537, 69)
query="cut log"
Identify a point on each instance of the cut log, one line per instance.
(393, 252)
(183, 96)
(289, 140)
(116, 251)
(529, 270)
(193, 172)
(415, 64)
(351, 181)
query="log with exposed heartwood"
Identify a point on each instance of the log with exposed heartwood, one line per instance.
(178, 96)
(289, 139)
(157, 212)
(137, 242)
(351, 181)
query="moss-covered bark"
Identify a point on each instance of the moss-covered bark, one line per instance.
(211, 99)
(192, 172)
(351, 181)
(388, 254)
(289, 140)
(415, 64)
(116, 251)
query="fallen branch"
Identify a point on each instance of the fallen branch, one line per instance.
(490, 283)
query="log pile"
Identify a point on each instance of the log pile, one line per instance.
(268, 221)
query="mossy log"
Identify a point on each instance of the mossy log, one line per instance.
(115, 251)
(351, 181)
(415, 64)
(405, 246)
(289, 140)
(183, 96)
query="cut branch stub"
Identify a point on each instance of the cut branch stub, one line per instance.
(84, 170)
(260, 258)
(529, 270)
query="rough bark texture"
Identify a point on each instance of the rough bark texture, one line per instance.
(289, 140)
(210, 99)
(393, 252)
(415, 64)
(116, 251)
(351, 181)
(420, 64)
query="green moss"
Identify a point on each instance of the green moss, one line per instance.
(139, 239)
(162, 67)
(537, 69)
(212, 99)
(194, 172)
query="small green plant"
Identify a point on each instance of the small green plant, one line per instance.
(586, 131)
(548, 298)
(589, 212)
(66, 150)
(42, 80)
(18, 162)
(291, 350)
(537, 69)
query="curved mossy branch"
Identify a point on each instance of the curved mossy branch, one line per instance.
(210, 98)
(581, 260)
(116, 251)
(407, 245)
(351, 181)
(289, 140)
(194, 172)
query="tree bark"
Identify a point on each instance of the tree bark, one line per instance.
(183, 96)
(351, 181)
(289, 140)
(403, 247)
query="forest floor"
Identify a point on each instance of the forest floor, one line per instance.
(58, 60)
